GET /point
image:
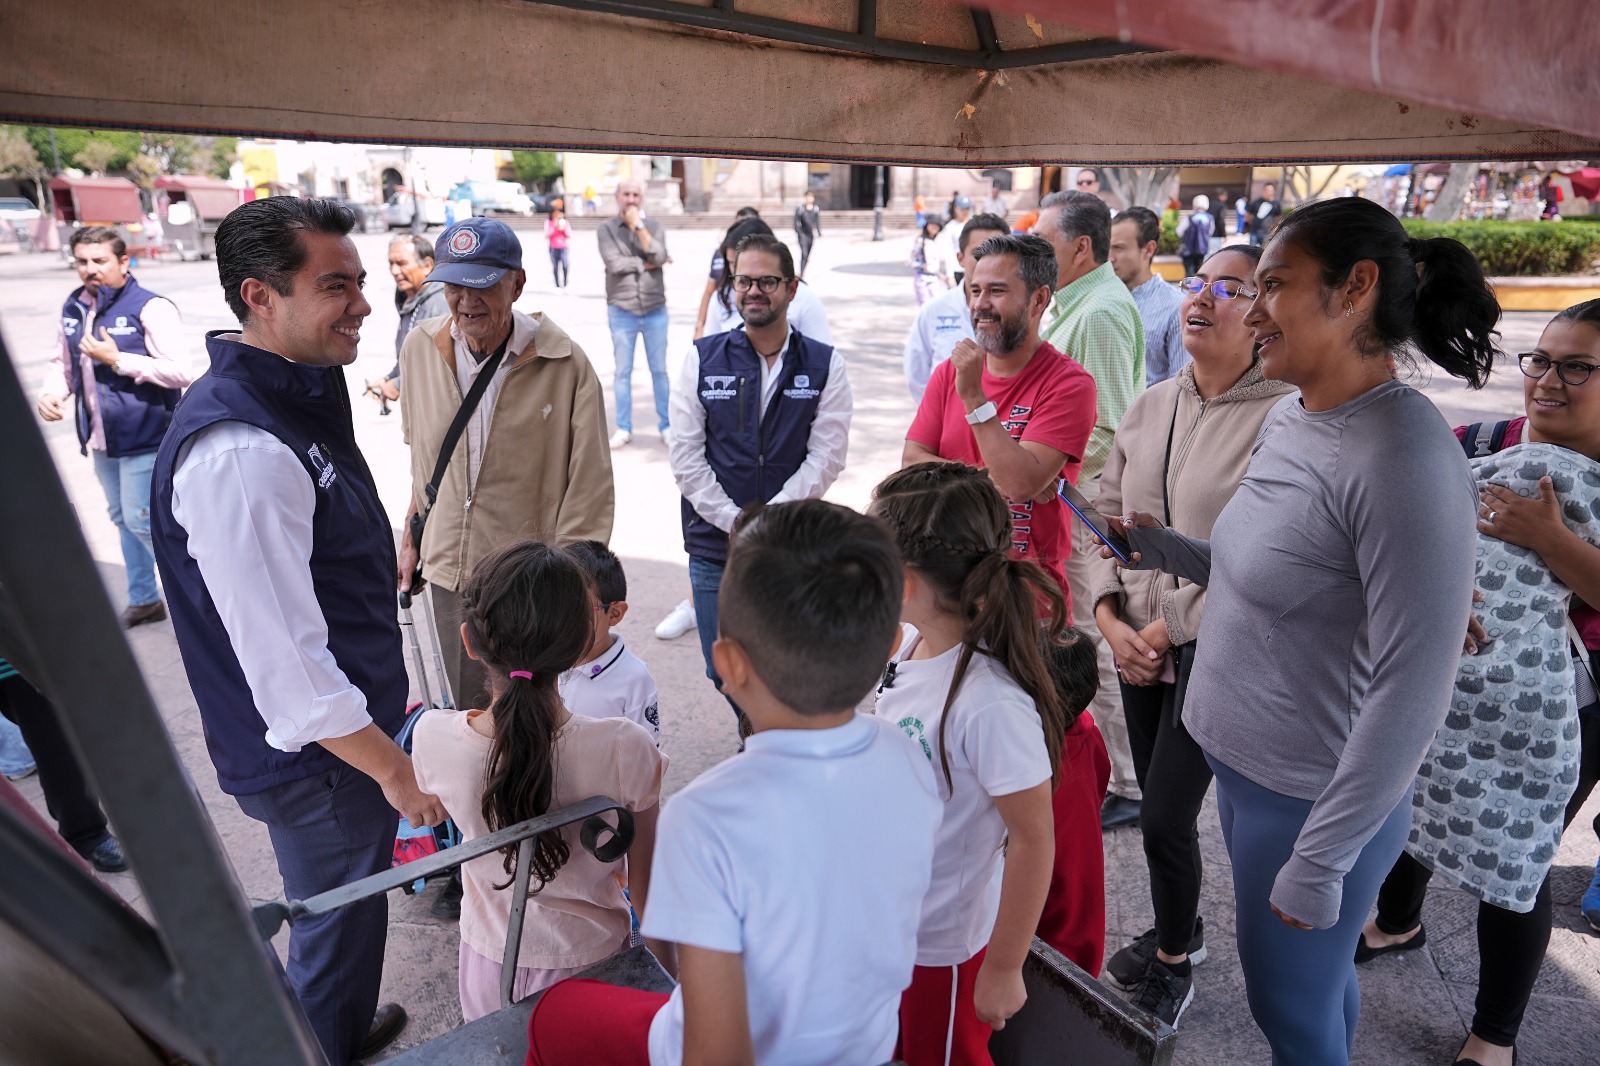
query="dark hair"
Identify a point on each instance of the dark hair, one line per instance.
(771, 245)
(953, 528)
(1035, 258)
(746, 212)
(737, 232)
(1075, 669)
(1251, 252)
(1431, 291)
(526, 607)
(1145, 221)
(261, 240)
(982, 223)
(99, 235)
(421, 247)
(1083, 214)
(1587, 313)
(604, 570)
(812, 593)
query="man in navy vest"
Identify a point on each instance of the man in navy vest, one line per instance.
(121, 355)
(760, 414)
(279, 566)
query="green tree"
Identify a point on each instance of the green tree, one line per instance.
(19, 160)
(224, 153)
(69, 142)
(96, 155)
(536, 168)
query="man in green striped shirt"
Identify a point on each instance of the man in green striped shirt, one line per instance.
(1094, 321)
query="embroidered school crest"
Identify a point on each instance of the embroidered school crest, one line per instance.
(464, 243)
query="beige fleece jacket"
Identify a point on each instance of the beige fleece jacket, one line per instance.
(546, 468)
(1211, 445)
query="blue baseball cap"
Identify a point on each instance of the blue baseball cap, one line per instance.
(963, 202)
(476, 252)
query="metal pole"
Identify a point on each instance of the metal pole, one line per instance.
(55, 152)
(877, 203)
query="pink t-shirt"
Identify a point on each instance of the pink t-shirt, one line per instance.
(1586, 618)
(557, 231)
(1053, 402)
(580, 917)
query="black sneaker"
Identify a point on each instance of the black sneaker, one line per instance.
(447, 904)
(1163, 993)
(1127, 966)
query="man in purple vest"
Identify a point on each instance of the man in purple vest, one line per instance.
(760, 414)
(279, 564)
(121, 355)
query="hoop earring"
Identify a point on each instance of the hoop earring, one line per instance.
(1349, 308)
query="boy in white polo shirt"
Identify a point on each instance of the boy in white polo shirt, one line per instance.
(790, 877)
(611, 681)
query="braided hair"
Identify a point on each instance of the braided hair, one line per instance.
(952, 527)
(527, 609)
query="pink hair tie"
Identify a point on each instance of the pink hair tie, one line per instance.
(524, 674)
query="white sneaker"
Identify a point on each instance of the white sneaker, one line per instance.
(621, 437)
(677, 622)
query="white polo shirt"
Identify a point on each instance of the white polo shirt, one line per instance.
(996, 746)
(808, 855)
(616, 685)
(942, 323)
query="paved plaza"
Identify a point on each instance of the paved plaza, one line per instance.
(1416, 1006)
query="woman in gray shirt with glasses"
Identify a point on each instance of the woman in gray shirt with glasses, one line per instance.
(1340, 584)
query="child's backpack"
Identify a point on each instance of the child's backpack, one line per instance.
(410, 842)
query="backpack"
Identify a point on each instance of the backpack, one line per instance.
(1484, 438)
(1197, 238)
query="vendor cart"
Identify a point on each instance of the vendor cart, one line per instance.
(110, 202)
(190, 208)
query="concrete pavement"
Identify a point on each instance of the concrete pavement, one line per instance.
(1416, 1006)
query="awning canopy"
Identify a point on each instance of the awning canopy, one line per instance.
(922, 81)
(211, 198)
(92, 201)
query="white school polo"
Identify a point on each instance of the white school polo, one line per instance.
(997, 747)
(616, 685)
(809, 855)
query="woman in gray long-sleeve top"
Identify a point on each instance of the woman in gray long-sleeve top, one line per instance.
(1340, 584)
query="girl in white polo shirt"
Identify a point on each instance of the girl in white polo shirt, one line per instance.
(528, 609)
(969, 683)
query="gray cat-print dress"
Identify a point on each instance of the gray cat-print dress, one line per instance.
(1490, 795)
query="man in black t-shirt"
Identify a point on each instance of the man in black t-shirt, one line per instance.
(1261, 216)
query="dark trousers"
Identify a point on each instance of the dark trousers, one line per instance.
(1173, 776)
(1191, 264)
(67, 793)
(806, 240)
(705, 581)
(558, 265)
(1511, 946)
(327, 831)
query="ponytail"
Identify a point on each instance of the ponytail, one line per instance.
(1431, 293)
(528, 618)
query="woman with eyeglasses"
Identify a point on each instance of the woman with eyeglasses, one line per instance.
(1561, 397)
(1180, 453)
(1339, 584)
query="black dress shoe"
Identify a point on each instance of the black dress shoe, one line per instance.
(1475, 1062)
(1366, 953)
(448, 903)
(1118, 811)
(147, 612)
(107, 856)
(386, 1025)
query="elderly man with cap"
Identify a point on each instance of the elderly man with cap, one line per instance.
(531, 458)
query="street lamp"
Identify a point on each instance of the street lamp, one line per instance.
(877, 203)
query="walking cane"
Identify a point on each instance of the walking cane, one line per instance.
(417, 661)
(445, 696)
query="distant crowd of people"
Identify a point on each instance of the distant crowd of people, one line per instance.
(1141, 538)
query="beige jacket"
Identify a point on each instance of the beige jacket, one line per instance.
(1212, 441)
(546, 468)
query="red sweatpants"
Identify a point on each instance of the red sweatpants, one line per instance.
(938, 1024)
(580, 1022)
(1074, 918)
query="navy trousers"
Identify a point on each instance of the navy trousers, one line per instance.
(327, 831)
(1301, 983)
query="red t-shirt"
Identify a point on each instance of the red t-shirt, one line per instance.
(1053, 402)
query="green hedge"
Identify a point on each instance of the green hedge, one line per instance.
(1521, 249)
(1168, 245)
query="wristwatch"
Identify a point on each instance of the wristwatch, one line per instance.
(982, 413)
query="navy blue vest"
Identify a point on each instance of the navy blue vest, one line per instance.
(352, 559)
(752, 456)
(133, 416)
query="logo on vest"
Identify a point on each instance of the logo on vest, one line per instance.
(69, 326)
(801, 389)
(121, 328)
(326, 474)
(719, 387)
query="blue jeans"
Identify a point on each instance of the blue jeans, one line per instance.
(15, 758)
(127, 486)
(327, 831)
(1301, 983)
(625, 329)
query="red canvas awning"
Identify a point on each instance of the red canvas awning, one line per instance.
(99, 200)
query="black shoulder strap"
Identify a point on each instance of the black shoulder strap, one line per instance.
(452, 437)
(1484, 438)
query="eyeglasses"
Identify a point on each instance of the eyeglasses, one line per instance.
(767, 283)
(1226, 289)
(1571, 371)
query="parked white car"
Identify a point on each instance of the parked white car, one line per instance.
(400, 209)
(16, 209)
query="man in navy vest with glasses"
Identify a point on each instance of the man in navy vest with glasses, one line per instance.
(122, 357)
(760, 414)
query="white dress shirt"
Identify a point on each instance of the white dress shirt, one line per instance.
(825, 452)
(805, 314)
(247, 503)
(523, 330)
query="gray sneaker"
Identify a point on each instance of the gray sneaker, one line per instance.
(1127, 967)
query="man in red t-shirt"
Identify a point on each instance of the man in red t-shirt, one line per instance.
(1011, 403)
